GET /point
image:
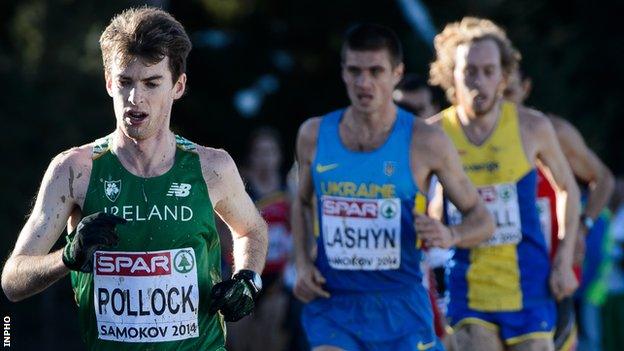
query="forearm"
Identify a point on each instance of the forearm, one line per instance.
(250, 250)
(301, 229)
(568, 203)
(599, 193)
(476, 227)
(24, 276)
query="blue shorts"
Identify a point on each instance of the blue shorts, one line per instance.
(397, 320)
(537, 322)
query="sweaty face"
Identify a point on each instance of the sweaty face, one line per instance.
(418, 102)
(478, 76)
(142, 96)
(369, 79)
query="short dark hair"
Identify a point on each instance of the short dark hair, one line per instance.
(149, 34)
(373, 37)
(412, 82)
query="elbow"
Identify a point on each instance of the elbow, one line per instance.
(8, 288)
(609, 181)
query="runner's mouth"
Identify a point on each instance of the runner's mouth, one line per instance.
(134, 116)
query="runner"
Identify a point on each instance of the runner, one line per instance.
(588, 169)
(143, 250)
(365, 193)
(499, 290)
(414, 95)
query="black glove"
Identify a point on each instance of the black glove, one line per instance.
(94, 232)
(235, 297)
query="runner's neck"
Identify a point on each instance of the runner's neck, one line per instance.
(478, 128)
(150, 157)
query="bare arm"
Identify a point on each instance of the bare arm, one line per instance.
(309, 279)
(477, 224)
(559, 173)
(31, 268)
(235, 208)
(586, 166)
(557, 170)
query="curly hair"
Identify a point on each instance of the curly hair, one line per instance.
(468, 30)
(148, 33)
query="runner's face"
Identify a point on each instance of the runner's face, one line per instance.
(517, 90)
(418, 102)
(266, 154)
(370, 79)
(142, 96)
(478, 76)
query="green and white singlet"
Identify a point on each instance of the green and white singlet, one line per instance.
(151, 292)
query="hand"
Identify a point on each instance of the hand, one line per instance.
(433, 233)
(309, 284)
(563, 282)
(234, 297)
(94, 232)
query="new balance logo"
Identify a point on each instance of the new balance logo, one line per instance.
(179, 190)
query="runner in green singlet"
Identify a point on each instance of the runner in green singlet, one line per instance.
(143, 252)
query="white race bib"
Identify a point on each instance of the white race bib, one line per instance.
(146, 296)
(501, 200)
(362, 234)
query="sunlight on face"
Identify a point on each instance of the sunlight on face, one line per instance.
(142, 96)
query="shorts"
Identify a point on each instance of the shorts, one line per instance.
(536, 322)
(396, 320)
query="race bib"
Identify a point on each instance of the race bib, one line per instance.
(501, 200)
(279, 243)
(146, 296)
(362, 234)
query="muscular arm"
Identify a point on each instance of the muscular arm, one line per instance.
(235, 208)
(586, 166)
(30, 268)
(477, 224)
(301, 216)
(559, 173)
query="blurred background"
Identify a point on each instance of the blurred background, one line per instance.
(258, 63)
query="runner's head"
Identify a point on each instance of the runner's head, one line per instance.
(414, 95)
(372, 65)
(518, 87)
(265, 152)
(144, 52)
(474, 57)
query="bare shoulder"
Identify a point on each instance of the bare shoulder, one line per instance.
(429, 136)
(563, 128)
(533, 121)
(215, 163)
(308, 131)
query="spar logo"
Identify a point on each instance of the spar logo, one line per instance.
(356, 208)
(389, 209)
(134, 264)
(183, 262)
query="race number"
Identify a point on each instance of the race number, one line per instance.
(146, 296)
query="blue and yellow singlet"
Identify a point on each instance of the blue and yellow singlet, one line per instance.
(508, 272)
(364, 201)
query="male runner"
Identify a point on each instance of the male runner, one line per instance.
(587, 168)
(500, 290)
(143, 250)
(363, 171)
(414, 95)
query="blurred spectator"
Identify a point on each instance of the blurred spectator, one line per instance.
(414, 95)
(267, 187)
